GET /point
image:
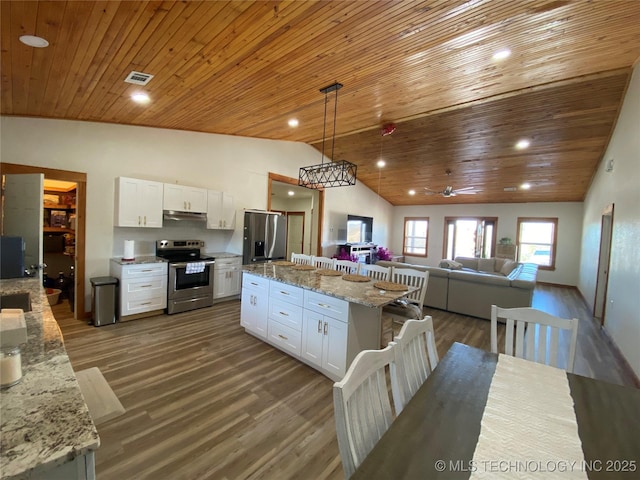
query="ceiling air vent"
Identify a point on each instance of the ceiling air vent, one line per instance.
(138, 78)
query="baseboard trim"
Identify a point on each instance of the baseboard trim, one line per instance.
(620, 357)
(560, 285)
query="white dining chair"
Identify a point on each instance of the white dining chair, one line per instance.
(376, 272)
(301, 258)
(409, 306)
(416, 357)
(348, 267)
(537, 335)
(323, 262)
(362, 408)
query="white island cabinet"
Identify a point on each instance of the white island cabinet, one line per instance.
(138, 203)
(254, 307)
(182, 198)
(322, 321)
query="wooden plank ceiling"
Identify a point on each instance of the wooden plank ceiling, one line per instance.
(246, 68)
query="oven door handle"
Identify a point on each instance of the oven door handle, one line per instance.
(184, 264)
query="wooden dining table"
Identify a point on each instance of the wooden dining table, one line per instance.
(436, 434)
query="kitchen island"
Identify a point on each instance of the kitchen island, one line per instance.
(45, 428)
(323, 321)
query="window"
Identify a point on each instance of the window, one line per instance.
(536, 241)
(469, 237)
(415, 236)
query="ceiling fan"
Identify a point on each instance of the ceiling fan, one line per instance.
(449, 191)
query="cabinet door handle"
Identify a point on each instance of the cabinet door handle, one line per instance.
(326, 327)
(284, 293)
(139, 220)
(283, 337)
(284, 314)
(145, 219)
(255, 300)
(322, 305)
(146, 303)
(189, 205)
(219, 223)
(145, 286)
(319, 326)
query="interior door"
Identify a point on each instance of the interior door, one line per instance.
(604, 259)
(23, 213)
(295, 233)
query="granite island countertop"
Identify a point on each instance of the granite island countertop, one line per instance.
(45, 421)
(363, 293)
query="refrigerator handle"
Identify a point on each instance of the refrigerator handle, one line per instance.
(267, 238)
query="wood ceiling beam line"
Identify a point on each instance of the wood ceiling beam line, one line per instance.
(501, 96)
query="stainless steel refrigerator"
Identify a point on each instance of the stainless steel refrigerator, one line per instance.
(265, 236)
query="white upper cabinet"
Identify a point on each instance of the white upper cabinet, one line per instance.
(221, 211)
(138, 203)
(185, 199)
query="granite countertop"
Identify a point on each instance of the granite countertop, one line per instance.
(139, 260)
(223, 254)
(363, 293)
(45, 421)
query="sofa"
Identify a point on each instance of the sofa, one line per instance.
(471, 285)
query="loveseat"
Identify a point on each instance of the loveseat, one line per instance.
(471, 285)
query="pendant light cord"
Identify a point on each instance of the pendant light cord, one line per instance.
(324, 125)
(335, 115)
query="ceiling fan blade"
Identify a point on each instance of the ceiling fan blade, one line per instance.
(465, 192)
(463, 189)
(428, 191)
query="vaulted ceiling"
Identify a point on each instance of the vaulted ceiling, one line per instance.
(246, 68)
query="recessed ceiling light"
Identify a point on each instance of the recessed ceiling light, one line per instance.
(381, 163)
(34, 41)
(291, 193)
(525, 186)
(412, 192)
(522, 144)
(140, 97)
(293, 122)
(502, 54)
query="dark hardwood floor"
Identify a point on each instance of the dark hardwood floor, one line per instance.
(205, 400)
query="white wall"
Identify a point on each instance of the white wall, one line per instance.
(569, 231)
(621, 187)
(236, 165)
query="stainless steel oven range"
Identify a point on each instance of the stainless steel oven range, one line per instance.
(190, 283)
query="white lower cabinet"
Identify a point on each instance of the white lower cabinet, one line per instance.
(324, 342)
(227, 273)
(254, 306)
(143, 287)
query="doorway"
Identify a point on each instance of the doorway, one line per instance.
(604, 259)
(312, 234)
(80, 179)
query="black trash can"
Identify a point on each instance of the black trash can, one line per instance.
(103, 300)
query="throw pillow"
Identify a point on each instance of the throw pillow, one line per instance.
(486, 264)
(508, 267)
(450, 264)
(499, 264)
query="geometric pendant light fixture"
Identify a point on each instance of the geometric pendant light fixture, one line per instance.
(328, 174)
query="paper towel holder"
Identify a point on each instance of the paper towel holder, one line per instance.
(128, 250)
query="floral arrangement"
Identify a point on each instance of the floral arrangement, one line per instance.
(343, 255)
(383, 254)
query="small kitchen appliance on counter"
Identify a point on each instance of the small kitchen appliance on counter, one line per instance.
(190, 282)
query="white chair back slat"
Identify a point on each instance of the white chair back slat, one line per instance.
(376, 272)
(412, 278)
(362, 409)
(416, 357)
(324, 262)
(301, 258)
(537, 335)
(348, 267)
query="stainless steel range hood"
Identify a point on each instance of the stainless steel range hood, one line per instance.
(180, 216)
